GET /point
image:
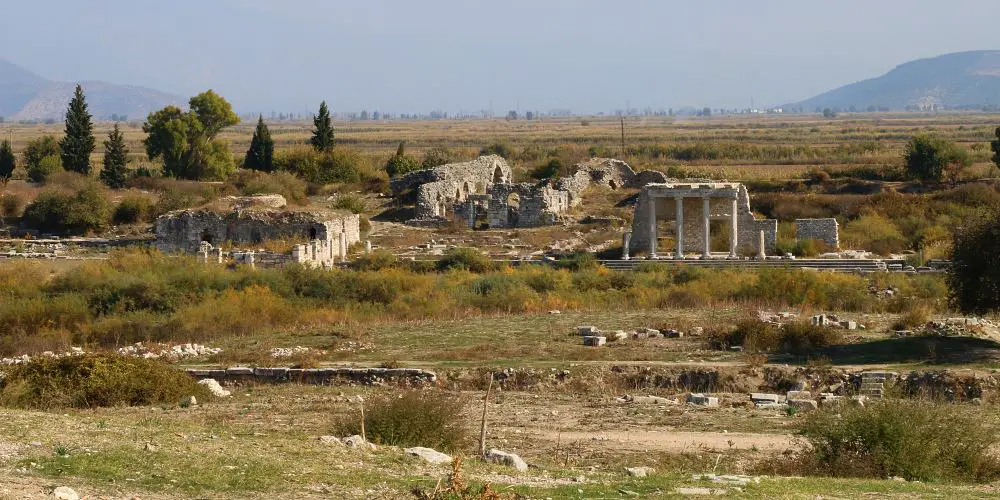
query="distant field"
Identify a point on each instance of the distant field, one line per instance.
(736, 147)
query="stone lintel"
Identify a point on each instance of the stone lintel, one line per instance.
(706, 191)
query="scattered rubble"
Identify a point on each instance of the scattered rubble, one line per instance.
(213, 386)
(287, 352)
(357, 441)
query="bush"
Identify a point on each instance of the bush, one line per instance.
(93, 381)
(400, 165)
(498, 148)
(414, 418)
(469, 259)
(133, 210)
(340, 165)
(11, 205)
(350, 202)
(40, 148)
(43, 168)
(548, 171)
(578, 262)
(931, 159)
(250, 182)
(375, 261)
(912, 439)
(436, 157)
(974, 274)
(792, 338)
(59, 212)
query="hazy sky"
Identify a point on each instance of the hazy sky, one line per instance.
(419, 55)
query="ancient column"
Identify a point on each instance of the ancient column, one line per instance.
(343, 246)
(706, 219)
(680, 226)
(733, 232)
(652, 224)
(218, 255)
(368, 246)
(761, 254)
(626, 240)
(250, 260)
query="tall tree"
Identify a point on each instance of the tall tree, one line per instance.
(995, 146)
(115, 170)
(260, 156)
(7, 162)
(974, 274)
(79, 141)
(322, 138)
(186, 141)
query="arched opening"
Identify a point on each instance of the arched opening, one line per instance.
(498, 175)
(513, 209)
(312, 233)
(207, 237)
(466, 189)
(613, 184)
(458, 194)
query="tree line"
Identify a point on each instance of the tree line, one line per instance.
(185, 142)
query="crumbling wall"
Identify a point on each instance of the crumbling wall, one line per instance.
(439, 188)
(536, 205)
(825, 230)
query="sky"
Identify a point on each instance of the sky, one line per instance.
(405, 56)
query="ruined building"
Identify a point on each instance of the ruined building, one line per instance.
(687, 209)
(246, 222)
(480, 192)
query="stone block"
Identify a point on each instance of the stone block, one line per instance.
(594, 341)
(703, 400)
(670, 333)
(798, 395)
(508, 459)
(239, 371)
(761, 397)
(849, 325)
(586, 331)
(617, 335)
(803, 404)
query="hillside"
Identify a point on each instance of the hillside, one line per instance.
(27, 96)
(953, 80)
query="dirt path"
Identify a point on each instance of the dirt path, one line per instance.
(675, 441)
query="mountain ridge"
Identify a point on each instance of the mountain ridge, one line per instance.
(955, 80)
(24, 95)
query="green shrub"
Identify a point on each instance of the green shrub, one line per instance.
(350, 202)
(413, 418)
(578, 262)
(250, 182)
(792, 338)
(400, 165)
(11, 205)
(436, 157)
(93, 381)
(375, 261)
(469, 259)
(912, 439)
(43, 168)
(133, 210)
(80, 213)
(498, 148)
(40, 148)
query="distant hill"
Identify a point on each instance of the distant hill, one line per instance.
(27, 96)
(961, 79)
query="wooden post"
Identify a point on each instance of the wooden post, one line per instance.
(482, 428)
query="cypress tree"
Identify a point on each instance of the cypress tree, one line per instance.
(322, 138)
(79, 140)
(115, 170)
(260, 156)
(7, 162)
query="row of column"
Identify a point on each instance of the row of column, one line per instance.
(706, 218)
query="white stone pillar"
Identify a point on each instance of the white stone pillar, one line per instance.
(218, 255)
(368, 246)
(761, 254)
(680, 226)
(733, 230)
(251, 261)
(652, 225)
(706, 219)
(626, 240)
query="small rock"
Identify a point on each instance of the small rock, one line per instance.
(429, 455)
(504, 458)
(331, 440)
(190, 401)
(595, 341)
(150, 447)
(688, 490)
(555, 311)
(357, 441)
(214, 387)
(638, 471)
(703, 400)
(65, 493)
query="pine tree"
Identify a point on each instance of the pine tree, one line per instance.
(260, 156)
(79, 140)
(115, 170)
(322, 138)
(7, 162)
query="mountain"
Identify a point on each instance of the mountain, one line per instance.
(27, 96)
(961, 79)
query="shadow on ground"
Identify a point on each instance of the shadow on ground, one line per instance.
(931, 350)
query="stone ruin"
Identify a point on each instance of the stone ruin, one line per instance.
(688, 208)
(480, 192)
(250, 221)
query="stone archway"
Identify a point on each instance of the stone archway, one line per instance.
(498, 177)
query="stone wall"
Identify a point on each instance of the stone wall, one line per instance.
(439, 189)
(825, 230)
(321, 376)
(525, 205)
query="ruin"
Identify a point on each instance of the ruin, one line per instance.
(249, 221)
(480, 192)
(689, 209)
